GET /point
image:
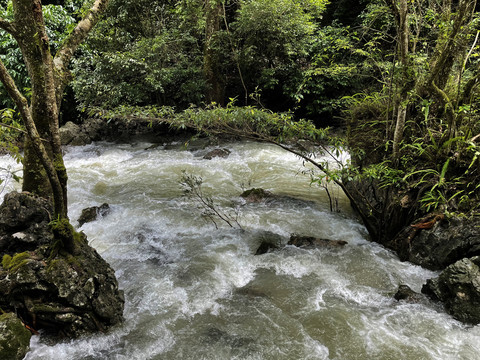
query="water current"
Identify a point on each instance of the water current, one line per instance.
(196, 292)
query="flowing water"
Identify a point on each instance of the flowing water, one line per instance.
(196, 292)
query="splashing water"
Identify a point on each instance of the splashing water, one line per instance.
(194, 292)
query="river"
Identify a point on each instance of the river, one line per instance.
(196, 292)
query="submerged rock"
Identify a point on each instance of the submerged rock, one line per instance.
(65, 293)
(221, 153)
(310, 242)
(405, 293)
(268, 242)
(458, 287)
(90, 214)
(256, 195)
(14, 337)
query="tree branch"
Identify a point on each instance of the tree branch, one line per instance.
(74, 39)
(7, 26)
(34, 136)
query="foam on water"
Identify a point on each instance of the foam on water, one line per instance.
(196, 292)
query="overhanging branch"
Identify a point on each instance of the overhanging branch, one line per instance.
(7, 26)
(74, 39)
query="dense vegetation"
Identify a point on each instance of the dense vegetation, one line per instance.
(401, 76)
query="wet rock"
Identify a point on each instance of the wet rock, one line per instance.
(24, 222)
(222, 153)
(65, 293)
(268, 242)
(311, 242)
(69, 132)
(14, 337)
(405, 293)
(116, 129)
(384, 210)
(438, 242)
(256, 195)
(90, 214)
(458, 287)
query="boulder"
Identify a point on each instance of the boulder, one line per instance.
(435, 242)
(458, 287)
(268, 242)
(90, 214)
(405, 293)
(65, 292)
(69, 132)
(222, 153)
(256, 195)
(310, 242)
(14, 337)
(24, 223)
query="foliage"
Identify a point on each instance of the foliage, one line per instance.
(273, 40)
(157, 57)
(438, 156)
(149, 58)
(59, 21)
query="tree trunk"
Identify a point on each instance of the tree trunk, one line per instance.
(215, 91)
(401, 15)
(44, 169)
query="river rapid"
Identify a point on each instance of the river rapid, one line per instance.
(196, 292)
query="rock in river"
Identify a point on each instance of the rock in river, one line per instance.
(67, 293)
(458, 287)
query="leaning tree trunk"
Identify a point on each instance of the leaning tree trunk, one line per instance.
(43, 166)
(33, 41)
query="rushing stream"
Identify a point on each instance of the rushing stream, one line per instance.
(196, 292)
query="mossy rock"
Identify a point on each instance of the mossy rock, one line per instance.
(14, 337)
(12, 264)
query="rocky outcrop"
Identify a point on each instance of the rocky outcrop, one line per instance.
(395, 220)
(435, 242)
(384, 210)
(65, 293)
(14, 337)
(458, 287)
(91, 213)
(117, 130)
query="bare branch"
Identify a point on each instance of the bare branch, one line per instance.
(76, 37)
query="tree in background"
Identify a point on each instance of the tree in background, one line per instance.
(178, 53)
(44, 170)
(420, 130)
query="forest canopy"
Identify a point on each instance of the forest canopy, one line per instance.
(401, 76)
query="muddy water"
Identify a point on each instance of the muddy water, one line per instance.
(196, 292)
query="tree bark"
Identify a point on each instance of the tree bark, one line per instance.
(215, 91)
(401, 15)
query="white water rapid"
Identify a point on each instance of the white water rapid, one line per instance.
(195, 292)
